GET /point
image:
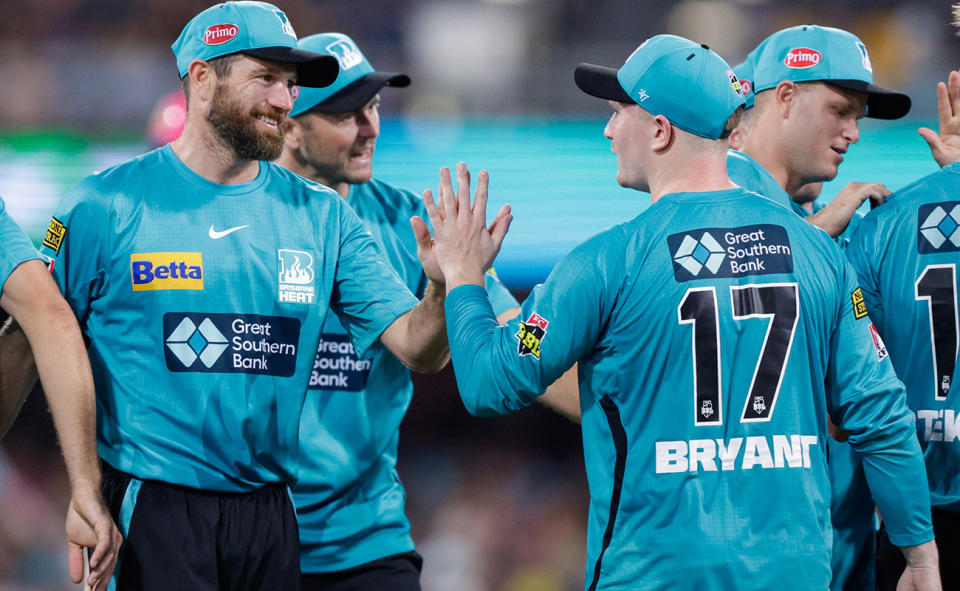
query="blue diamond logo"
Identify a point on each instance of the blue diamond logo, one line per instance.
(701, 254)
(197, 342)
(947, 226)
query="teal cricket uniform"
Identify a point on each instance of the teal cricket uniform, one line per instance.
(851, 508)
(17, 248)
(204, 305)
(714, 332)
(906, 255)
(349, 499)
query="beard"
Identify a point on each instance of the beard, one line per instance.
(238, 128)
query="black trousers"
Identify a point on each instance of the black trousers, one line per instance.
(183, 538)
(890, 561)
(394, 573)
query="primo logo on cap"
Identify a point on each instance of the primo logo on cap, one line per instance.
(220, 34)
(802, 57)
(346, 53)
(693, 255)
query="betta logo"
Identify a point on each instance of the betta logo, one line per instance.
(802, 57)
(220, 34)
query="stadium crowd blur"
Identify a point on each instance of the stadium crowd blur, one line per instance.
(494, 503)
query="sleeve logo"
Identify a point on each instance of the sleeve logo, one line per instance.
(531, 334)
(878, 343)
(54, 237)
(859, 305)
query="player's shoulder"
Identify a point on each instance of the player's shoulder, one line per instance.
(391, 195)
(295, 184)
(899, 208)
(107, 188)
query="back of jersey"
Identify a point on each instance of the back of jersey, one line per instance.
(706, 452)
(906, 255)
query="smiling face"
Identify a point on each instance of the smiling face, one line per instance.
(821, 126)
(337, 148)
(249, 106)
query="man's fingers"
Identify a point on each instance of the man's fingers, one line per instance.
(75, 562)
(420, 231)
(937, 147)
(498, 229)
(953, 88)
(448, 202)
(463, 188)
(944, 106)
(480, 200)
(432, 212)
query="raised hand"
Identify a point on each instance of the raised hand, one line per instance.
(463, 245)
(945, 146)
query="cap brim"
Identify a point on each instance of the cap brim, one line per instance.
(882, 103)
(356, 94)
(314, 70)
(601, 82)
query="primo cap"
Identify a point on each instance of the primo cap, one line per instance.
(356, 83)
(671, 76)
(256, 29)
(809, 53)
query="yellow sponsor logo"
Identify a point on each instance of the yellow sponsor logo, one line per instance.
(54, 236)
(859, 304)
(166, 270)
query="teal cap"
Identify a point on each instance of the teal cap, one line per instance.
(745, 73)
(809, 53)
(256, 29)
(672, 76)
(356, 83)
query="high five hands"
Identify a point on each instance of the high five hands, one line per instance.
(463, 246)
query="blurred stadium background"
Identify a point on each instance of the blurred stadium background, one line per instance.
(495, 503)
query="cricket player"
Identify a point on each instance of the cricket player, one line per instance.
(201, 274)
(41, 319)
(906, 255)
(715, 333)
(354, 533)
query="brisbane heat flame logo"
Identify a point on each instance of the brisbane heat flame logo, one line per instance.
(802, 57)
(219, 34)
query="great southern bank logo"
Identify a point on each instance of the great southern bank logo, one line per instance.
(693, 255)
(210, 342)
(190, 342)
(939, 227)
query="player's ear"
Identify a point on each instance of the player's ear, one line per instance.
(203, 81)
(292, 133)
(662, 134)
(785, 94)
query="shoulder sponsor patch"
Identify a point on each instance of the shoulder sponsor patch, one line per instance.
(859, 305)
(166, 270)
(878, 345)
(230, 343)
(54, 236)
(531, 335)
(938, 227)
(337, 367)
(730, 252)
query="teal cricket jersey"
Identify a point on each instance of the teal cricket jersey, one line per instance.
(851, 508)
(349, 499)
(17, 248)
(906, 255)
(714, 333)
(204, 304)
(747, 172)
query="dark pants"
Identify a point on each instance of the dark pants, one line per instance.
(890, 561)
(393, 573)
(183, 538)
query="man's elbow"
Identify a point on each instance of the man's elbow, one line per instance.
(429, 365)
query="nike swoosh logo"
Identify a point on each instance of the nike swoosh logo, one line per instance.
(217, 235)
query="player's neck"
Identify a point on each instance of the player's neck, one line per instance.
(203, 152)
(763, 144)
(701, 173)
